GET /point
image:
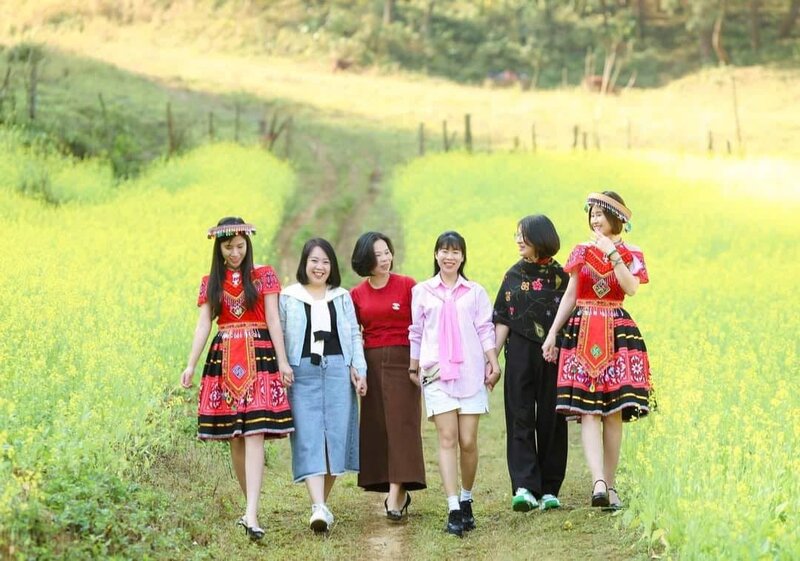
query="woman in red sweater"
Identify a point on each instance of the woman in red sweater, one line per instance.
(391, 443)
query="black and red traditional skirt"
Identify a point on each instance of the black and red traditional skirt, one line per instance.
(603, 366)
(241, 393)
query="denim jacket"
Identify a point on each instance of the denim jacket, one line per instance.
(293, 323)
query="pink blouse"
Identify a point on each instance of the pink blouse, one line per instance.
(475, 325)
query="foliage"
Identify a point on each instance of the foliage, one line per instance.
(717, 318)
(461, 39)
(98, 296)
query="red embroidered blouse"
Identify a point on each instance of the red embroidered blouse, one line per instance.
(234, 308)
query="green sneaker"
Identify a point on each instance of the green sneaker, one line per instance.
(548, 502)
(523, 501)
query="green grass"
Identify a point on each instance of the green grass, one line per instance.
(718, 328)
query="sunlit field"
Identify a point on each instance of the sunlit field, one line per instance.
(98, 293)
(713, 473)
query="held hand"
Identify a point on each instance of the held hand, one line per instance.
(359, 383)
(414, 378)
(491, 375)
(287, 374)
(186, 377)
(549, 351)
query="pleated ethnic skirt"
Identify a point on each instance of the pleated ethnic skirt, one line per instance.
(623, 384)
(241, 393)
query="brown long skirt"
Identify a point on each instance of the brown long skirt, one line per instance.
(391, 442)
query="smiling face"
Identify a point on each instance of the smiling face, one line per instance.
(526, 251)
(318, 267)
(599, 222)
(449, 259)
(383, 258)
(234, 251)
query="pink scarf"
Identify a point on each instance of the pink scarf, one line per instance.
(450, 355)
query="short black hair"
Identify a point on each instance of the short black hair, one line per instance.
(335, 279)
(450, 240)
(363, 260)
(539, 232)
(616, 224)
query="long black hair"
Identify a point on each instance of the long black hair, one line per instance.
(450, 240)
(216, 277)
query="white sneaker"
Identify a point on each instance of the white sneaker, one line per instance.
(319, 518)
(328, 516)
(523, 501)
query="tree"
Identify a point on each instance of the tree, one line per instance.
(788, 22)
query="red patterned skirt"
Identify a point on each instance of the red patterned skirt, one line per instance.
(603, 366)
(241, 392)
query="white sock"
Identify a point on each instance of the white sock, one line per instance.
(452, 503)
(466, 494)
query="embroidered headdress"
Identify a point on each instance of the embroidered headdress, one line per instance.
(611, 205)
(230, 230)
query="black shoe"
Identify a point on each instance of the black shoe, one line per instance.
(467, 519)
(455, 524)
(397, 515)
(600, 498)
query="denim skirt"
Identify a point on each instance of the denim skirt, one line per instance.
(325, 411)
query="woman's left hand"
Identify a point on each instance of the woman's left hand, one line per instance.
(492, 375)
(360, 383)
(604, 243)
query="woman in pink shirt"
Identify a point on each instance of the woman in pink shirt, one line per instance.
(453, 357)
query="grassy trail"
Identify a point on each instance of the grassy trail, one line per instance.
(342, 160)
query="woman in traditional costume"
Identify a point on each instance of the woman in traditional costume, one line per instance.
(243, 395)
(603, 370)
(323, 343)
(391, 443)
(526, 304)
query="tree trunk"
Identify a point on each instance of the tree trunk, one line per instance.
(788, 22)
(641, 15)
(755, 24)
(716, 35)
(388, 11)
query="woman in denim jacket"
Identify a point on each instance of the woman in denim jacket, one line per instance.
(323, 344)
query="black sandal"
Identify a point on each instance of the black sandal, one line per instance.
(600, 499)
(397, 515)
(613, 506)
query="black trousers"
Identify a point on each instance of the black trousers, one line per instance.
(536, 436)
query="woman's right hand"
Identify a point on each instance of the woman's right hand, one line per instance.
(287, 374)
(186, 377)
(549, 350)
(414, 378)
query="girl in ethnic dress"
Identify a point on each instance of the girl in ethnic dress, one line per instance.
(603, 371)
(242, 393)
(391, 442)
(526, 304)
(453, 357)
(323, 344)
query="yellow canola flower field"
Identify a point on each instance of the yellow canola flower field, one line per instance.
(98, 297)
(713, 473)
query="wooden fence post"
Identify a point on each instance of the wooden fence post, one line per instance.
(171, 142)
(575, 131)
(533, 137)
(710, 141)
(585, 140)
(211, 133)
(238, 110)
(421, 136)
(468, 132)
(629, 134)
